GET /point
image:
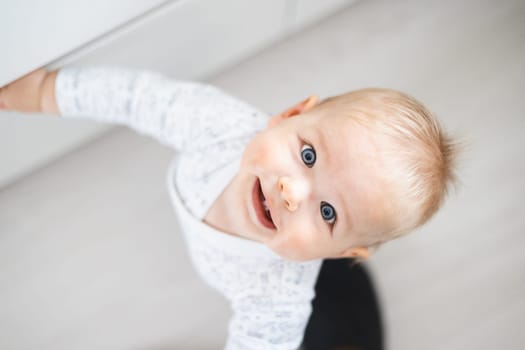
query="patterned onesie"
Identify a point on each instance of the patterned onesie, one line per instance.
(270, 297)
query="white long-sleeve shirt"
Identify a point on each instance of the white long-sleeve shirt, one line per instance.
(270, 297)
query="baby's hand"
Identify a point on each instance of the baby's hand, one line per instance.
(25, 94)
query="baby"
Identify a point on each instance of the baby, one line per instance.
(262, 200)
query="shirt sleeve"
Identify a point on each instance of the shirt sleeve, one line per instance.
(179, 114)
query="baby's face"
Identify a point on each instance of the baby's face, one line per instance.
(310, 187)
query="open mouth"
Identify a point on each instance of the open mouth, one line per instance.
(261, 210)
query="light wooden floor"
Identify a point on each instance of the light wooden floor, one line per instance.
(91, 257)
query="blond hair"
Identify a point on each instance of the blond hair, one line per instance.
(419, 155)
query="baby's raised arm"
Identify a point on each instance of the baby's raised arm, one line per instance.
(182, 114)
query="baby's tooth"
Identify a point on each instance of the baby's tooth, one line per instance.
(264, 205)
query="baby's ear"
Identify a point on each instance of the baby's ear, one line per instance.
(301, 107)
(356, 252)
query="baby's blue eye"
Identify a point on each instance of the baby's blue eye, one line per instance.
(308, 155)
(327, 212)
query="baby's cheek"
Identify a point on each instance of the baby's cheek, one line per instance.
(262, 156)
(298, 242)
(258, 155)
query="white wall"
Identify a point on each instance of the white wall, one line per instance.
(189, 39)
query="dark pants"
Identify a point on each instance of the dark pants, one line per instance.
(345, 310)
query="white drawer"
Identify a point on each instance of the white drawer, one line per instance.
(35, 32)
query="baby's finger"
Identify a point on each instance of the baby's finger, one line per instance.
(2, 104)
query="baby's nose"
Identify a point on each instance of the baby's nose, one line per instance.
(292, 191)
